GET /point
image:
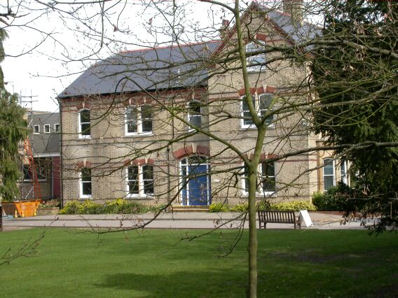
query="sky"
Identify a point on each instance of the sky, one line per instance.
(48, 49)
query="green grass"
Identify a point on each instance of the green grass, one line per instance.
(155, 263)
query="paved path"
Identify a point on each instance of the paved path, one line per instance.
(177, 220)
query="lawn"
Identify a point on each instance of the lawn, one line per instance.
(156, 263)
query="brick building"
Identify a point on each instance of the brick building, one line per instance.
(45, 144)
(129, 122)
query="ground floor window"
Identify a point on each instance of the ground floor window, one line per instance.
(85, 183)
(140, 180)
(328, 173)
(266, 182)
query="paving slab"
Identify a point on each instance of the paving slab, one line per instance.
(177, 220)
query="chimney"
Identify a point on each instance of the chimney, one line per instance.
(224, 28)
(295, 9)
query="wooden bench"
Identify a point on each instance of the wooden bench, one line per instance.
(287, 217)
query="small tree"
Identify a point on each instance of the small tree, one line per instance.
(13, 129)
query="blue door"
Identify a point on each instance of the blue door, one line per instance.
(198, 185)
(195, 182)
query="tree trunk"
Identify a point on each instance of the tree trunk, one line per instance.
(252, 235)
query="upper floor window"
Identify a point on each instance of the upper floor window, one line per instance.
(140, 180)
(84, 124)
(263, 106)
(36, 129)
(255, 62)
(138, 120)
(46, 128)
(56, 127)
(328, 173)
(266, 183)
(85, 183)
(194, 114)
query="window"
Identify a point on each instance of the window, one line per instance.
(328, 173)
(195, 114)
(343, 172)
(46, 128)
(36, 129)
(255, 63)
(268, 177)
(266, 172)
(27, 173)
(85, 183)
(138, 120)
(140, 180)
(84, 124)
(56, 127)
(42, 165)
(262, 104)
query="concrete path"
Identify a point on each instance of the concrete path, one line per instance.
(177, 220)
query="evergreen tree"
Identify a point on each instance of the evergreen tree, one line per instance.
(13, 129)
(355, 72)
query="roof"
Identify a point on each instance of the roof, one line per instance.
(145, 69)
(44, 143)
(166, 67)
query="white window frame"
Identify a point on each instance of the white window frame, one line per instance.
(55, 127)
(85, 196)
(38, 129)
(141, 189)
(256, 97)
(344, 171)
(81, 136)
(259, 192)
(47, 126)
(260, 45)
(139, 121)
(190, 116)
(329, 175)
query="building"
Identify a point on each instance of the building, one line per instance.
(129, 122)
(45, 147)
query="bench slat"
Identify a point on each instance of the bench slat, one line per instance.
(265, 217)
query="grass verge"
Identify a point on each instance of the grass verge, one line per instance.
(156, 263)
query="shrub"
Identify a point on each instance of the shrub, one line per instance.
(293, 206)
(337, 198)
(263, 205)
(241, 207)
(218, 207)
(72, 207)
(119, 206)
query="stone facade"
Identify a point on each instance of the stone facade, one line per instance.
(152, 162)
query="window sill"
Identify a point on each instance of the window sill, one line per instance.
(140, 197)
(253, 127)
(139, 134)
(81, 137)
(82, 197)
(261, 194)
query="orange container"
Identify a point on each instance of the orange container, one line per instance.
(27, 208)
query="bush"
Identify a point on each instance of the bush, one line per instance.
(72, 207)
(218, 207)
(119, 206)
(242, 207)
(263, 206)
(293, 206)
(337, 198)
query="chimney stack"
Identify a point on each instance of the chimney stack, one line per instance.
(295, 9)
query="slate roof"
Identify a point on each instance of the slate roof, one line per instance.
(146, 69)
(159, 68)
(44, 143)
